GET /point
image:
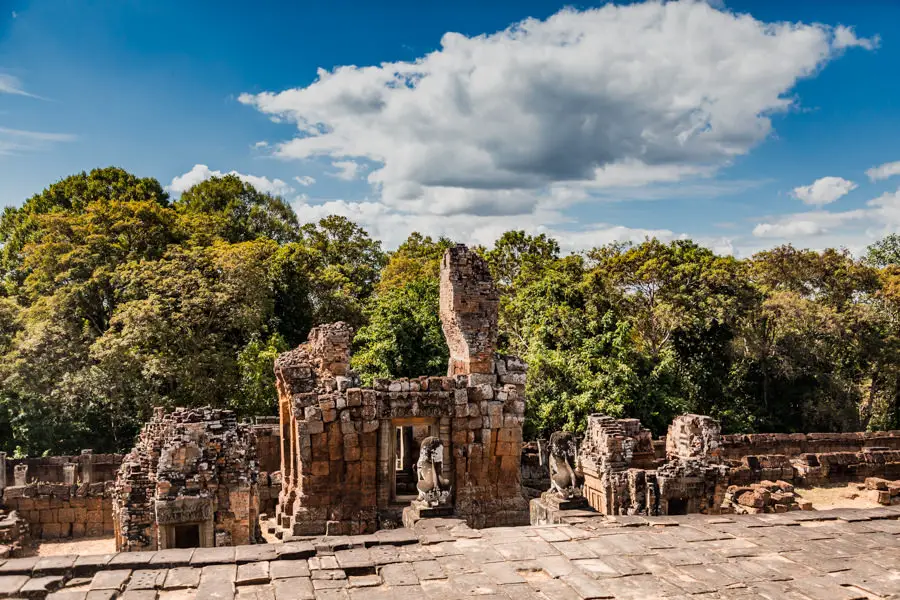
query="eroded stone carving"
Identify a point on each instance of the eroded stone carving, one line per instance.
(434, 490)
(565, 474)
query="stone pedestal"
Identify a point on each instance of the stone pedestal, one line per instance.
(555, 501)
(87, 466)
(419, 510)
(549, 509)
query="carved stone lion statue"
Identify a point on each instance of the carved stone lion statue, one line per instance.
(566, 477)
(433, 489)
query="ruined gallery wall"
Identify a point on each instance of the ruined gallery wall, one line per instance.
(57, 510)
(50, 469)
(736, 446)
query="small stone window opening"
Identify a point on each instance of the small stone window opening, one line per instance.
(187, 536)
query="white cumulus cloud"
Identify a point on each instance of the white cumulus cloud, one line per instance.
(392, 227)
(884, 171)
(616, 95)
(201, 173)
(346, 169)
(305, 180)
(824, 191)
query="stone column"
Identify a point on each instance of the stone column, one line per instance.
(2, 473)
(469, 307)
(21, 474)
(87, 466)
(69, 474)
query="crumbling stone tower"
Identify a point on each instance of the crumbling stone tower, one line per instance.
(469, 309)
(346, 447)
(190, 481)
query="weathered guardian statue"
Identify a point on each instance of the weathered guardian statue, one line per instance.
(565, 474)
(434, 490)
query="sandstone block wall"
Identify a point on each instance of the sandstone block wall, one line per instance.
(736, 446)
(56, 510)
(338, 471)
(623, 475)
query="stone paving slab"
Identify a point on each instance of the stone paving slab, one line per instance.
(847, 555)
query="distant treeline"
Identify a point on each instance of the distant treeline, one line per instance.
(115, 299)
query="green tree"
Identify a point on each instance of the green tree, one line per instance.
(403, 337)
(235, 211)
(416, 258)
(885, 251)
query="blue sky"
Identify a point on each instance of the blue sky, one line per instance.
(740, 130)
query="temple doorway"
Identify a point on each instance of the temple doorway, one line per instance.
(407, 439)
(187, 536)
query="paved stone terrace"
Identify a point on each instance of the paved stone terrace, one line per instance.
(833, 555)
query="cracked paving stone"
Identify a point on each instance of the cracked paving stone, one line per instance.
(296, 588)
(428, 569)
(147, 579)
(110, 580)
(252, 573)
(283, 569)
(399, 574)
(182, 577)
(11, 584)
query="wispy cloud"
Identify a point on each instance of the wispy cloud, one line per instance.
(10, 84)
(13, 141)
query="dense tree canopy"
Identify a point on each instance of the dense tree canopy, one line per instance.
(115, 299)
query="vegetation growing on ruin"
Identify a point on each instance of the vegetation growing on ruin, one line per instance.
(116, 298)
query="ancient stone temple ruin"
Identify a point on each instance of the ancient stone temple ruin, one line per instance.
(623, 476)
(348, 451)
(190, 481)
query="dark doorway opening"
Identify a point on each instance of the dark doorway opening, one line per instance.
(677, 506)
(187, 536)
(406, 453)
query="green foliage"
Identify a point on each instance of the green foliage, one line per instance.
(233, 210)
(884, 252)
(419, 256)
(114, 300)
(117, 301)
(403, 337)
(257, 378)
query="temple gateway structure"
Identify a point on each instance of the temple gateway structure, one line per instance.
(348, 451)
